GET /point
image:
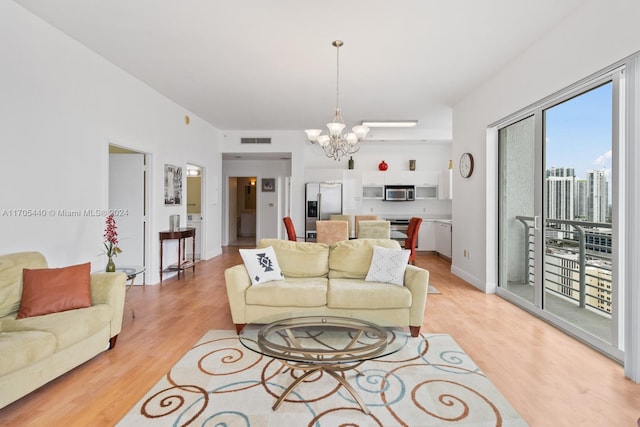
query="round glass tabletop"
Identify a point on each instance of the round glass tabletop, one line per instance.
(322, 339)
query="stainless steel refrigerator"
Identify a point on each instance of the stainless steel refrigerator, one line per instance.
(322, 200)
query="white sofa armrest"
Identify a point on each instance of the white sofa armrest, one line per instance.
(416, 279)
(238, 281)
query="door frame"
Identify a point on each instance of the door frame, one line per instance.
(616, 75)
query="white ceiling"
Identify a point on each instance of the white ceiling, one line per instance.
(262, 65)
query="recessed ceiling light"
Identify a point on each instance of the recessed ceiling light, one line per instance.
(390, 123)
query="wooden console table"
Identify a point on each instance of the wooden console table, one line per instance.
(180, 234)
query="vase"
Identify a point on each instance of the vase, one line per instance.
(351, 162)
(111, 266)
(383, 166)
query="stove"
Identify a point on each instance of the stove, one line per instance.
(399, 229)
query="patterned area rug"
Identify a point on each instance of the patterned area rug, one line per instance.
(430, 382)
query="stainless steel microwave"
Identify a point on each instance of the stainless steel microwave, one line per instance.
(399, 193)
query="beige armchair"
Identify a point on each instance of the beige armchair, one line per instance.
(374, 229)
(330, 232)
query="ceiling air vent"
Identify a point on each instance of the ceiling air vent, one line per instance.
(255, 140)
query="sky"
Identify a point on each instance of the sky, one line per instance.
(578, 132)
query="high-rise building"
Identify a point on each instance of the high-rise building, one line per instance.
(597, 196)
(560, 193)
(580, 206)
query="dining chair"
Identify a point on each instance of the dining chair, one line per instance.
(349, 219)
(412, 238)
(359, 218)
(291, 231)
(329, 232)
(374, 229)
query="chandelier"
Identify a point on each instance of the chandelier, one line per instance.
(336, 145)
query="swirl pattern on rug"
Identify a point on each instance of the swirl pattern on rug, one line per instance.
(431, 381)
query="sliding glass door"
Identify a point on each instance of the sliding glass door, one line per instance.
(556, 240)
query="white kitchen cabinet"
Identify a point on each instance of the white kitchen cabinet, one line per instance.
(399, 178)
(445, 185)
(425, 178)
(372, 178)
(443, 238)
(427, 236)
(351, 192)
(426, 185)
(373, 185)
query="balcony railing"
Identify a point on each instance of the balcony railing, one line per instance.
(577, 261)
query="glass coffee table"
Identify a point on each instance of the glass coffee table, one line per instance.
(322, 344)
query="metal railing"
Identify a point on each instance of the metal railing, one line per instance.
(577, 261)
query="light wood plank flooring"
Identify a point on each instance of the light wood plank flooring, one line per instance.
(550, 378)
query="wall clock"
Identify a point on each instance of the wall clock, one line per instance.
(466, 165)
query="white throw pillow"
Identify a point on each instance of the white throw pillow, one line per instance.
(261, 264)
(388, 265)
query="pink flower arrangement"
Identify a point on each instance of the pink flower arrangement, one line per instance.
(111, 237)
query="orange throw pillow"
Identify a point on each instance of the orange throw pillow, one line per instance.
(50, 290)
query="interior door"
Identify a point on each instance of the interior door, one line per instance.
(126, 200)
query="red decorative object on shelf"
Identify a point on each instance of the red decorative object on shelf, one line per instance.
(383, 166)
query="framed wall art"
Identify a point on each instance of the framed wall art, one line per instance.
(172, 185)
(268, 184)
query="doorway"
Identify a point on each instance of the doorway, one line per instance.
(242, 210)
(128, 202)
(195, 212)
(557, 245)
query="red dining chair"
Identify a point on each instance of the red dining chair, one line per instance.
(412, 238)
(291, 231)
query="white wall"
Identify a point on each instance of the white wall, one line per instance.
(595, 36)
(62, 105)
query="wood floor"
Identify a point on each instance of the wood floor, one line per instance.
(550, 378)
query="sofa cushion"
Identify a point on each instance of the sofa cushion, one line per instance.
(300, 259)
(50, 290)
(11, 266)
(350, 259)
(291, 292)
(388, 265)
(20, 349)
(261, 264)
(69, 327)
(357, 294)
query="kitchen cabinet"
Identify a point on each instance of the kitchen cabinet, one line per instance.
(425, 179)
(426, 185)
(373, 185)
(400, 178)
(443, 238)
(427, 236)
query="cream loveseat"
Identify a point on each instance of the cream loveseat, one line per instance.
(328, 280)
(36, 349)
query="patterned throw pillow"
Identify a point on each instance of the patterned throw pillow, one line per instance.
(388, 265)
(261, 264)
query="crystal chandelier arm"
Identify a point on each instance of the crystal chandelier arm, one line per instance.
(313, 134)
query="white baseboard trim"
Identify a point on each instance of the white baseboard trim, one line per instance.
(489, 288)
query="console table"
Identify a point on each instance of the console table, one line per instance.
(180, 234)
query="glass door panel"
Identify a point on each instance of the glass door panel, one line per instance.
(577, 230)
(555, 215)
(517, 148)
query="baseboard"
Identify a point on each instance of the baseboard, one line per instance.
(488, 288)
